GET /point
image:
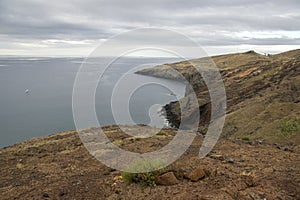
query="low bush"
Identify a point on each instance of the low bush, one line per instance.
(151, 169)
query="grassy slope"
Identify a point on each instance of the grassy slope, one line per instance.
(263, 94)
(271, 114)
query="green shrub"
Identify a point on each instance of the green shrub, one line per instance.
(246, 138)
(152, 168)
(290, 126)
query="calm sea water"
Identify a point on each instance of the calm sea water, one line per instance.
(36, 95)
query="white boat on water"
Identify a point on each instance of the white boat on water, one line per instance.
(27, 91)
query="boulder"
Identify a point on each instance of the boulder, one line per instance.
(197, 174)
(167, 179)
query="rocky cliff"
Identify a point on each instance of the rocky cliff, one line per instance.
(263, 94)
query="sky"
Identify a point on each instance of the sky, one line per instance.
(77, 27)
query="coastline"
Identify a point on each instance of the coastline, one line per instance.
(262, 121)
(173, 118)
(170, 116)
(257, 88)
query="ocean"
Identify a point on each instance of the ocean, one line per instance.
(36, 95)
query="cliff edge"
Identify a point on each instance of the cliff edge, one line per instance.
(263, 94)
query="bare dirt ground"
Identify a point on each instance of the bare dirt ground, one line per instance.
(59, 167)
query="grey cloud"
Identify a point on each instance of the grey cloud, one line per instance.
(34, 21)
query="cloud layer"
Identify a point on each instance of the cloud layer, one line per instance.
(36, 27)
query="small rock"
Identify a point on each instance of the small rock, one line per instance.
(167, 179)
(62, 193)
(45, 195)
(231, 160)
(285, 149)
(112, 170)
(217, 157)
(262, 197)
(197, 174)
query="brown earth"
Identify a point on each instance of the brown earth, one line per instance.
(59, 167)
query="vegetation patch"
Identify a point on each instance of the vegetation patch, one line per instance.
(152, 168)
(290, 126)
(246, 138)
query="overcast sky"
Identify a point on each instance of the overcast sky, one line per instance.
(76, 27)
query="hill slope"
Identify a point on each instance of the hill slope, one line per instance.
(263, 94)
(59, 167)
